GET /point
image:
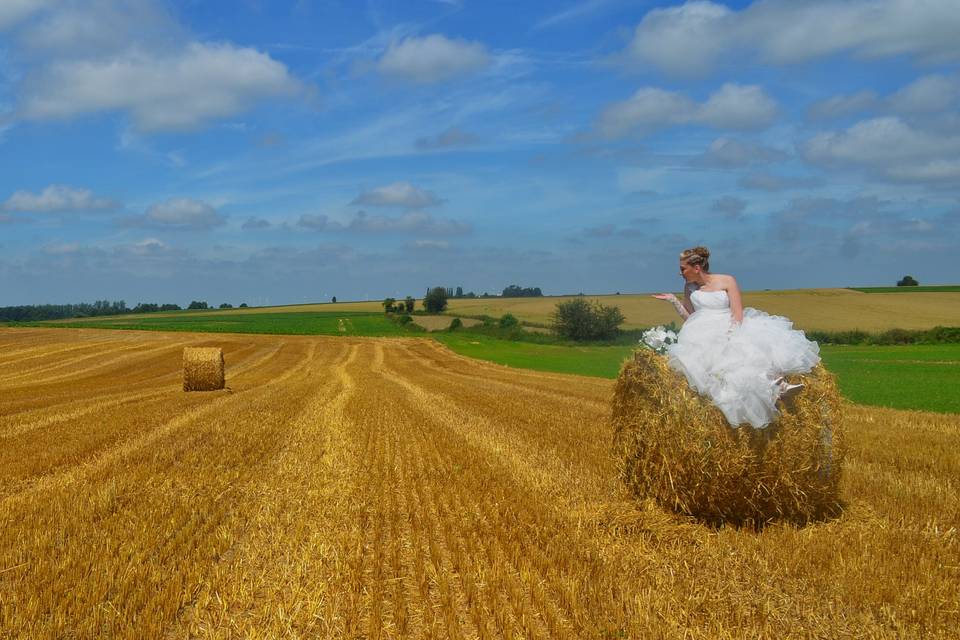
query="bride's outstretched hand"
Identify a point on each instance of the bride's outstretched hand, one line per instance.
(669, 297)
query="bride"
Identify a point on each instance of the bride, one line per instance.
(736, 356)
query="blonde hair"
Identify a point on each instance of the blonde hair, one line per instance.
(696, 256)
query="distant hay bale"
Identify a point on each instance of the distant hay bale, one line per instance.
(203, 369)
(676, 447)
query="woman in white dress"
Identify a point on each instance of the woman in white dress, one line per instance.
(735, 356)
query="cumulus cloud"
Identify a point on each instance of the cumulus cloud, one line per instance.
(890, 146)
(692, 37)
(13, 11)
(433, 58)
(84, 28)
(397, 194)
(928, 94)
(773, 182)
(410, 222)
(733, 106)
(179, 214)
(452, 137)
(57, 199)
(842, 106)
(730, 206)
(429, 245)
(726, 153)
(169, 91)
(315, 222)
(253, 223)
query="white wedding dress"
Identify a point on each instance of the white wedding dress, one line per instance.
(736, 365)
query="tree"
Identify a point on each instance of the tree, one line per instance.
(508, 321)
(388, 304)
(582, 319)
(514, 291)
(436, 300)
(226, 305)
(243, 305)
(459, 293)
(333, 299)
(408, 304)
(198, 304)
(907, 281)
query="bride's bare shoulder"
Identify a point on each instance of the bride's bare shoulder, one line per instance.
(725, 279)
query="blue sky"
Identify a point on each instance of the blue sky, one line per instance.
(289, 151)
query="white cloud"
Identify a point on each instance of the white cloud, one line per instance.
(397, 194)
(733, 106)
(179, 214)
(418, 222)
(929, 94)
(736, 106)
(162, 91)
(727, 153)
(410, 222)
(13, 11)
(730, 206)
(57, 199)
(84, 28)
(692, 37)
(773, 182)
(841, 106)
(684, 39)
(433, 58)
(890, 146)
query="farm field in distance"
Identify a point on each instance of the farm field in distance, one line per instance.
(810, 309)
(350, 487)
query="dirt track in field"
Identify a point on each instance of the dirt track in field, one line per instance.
(368, 488)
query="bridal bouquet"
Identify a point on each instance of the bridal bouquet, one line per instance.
(658, 339)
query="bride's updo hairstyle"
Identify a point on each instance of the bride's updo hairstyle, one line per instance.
(696, 256)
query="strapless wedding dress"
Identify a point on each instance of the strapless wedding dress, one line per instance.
(736, 365)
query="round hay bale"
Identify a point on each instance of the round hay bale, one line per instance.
(203, 369)
(676, 447)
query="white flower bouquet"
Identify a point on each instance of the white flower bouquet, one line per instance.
(658, 339)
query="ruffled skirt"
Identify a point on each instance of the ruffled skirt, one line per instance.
(736, 366)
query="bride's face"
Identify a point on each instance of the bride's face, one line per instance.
(689, 273)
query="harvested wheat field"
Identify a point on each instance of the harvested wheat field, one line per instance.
(375, 488)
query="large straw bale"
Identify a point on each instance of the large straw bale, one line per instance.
(675, 446)
(203, 369)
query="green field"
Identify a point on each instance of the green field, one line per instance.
(946, 288)
(923, 377)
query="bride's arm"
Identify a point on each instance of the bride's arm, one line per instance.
(736, 302)
(684, 308)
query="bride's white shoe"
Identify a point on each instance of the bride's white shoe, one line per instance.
(789, 391)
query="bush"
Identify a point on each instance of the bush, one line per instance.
(456, 324)
(508, 320)
(408, 304)
(436, 300)
(581, 319)
(907, 281)
(404, 319)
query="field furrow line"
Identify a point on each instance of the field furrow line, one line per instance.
(195, 511)
(442, 503)
(268, 583)
(105, 458)
(565, 390)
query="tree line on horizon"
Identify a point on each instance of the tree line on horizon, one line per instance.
(38, 312)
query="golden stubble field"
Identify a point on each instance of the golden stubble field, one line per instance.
(373, 488)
